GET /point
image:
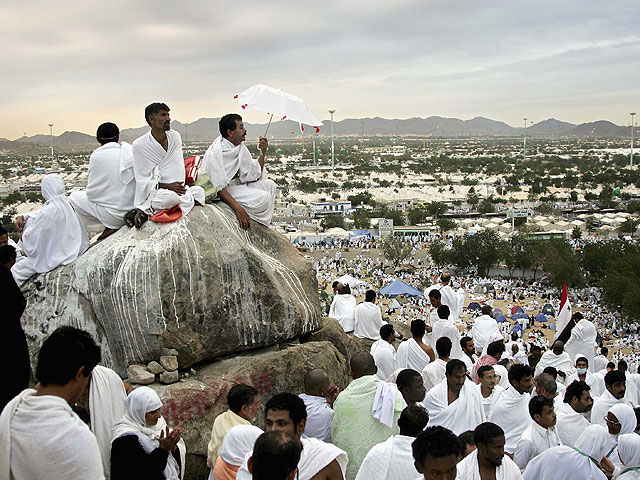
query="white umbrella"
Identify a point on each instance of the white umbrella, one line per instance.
(280, 103)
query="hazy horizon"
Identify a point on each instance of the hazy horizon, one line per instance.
(78, 65)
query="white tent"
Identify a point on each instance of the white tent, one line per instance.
(349, 280)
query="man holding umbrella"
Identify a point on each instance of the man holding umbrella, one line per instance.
(240, 180)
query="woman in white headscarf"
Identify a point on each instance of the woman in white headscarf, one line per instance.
(629, 454)
(237, 443)
(52, 236)
(579, 463)
(621, 419)
(142, 444)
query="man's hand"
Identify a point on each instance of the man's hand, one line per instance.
(607, 467)
(169, 440)
(20, 223)
(332, 394)
(429, 328)
(174, 187)
(263, 144)
(243, 217)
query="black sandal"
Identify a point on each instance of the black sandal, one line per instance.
(130, 218)
(140, 218)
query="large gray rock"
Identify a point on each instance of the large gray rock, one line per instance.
(201, 286)
(139, 375)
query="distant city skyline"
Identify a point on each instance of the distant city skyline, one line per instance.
(77, 65)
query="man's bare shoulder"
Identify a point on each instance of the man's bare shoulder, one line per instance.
(330, 472)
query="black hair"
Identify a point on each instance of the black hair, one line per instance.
(418, 328)
(582, 359)
(495, 347)
(370, 296)
(551, 371)
(486, 432)
(240, 395)
(453, 365)
(153, 110)
(335, 284)
(518, 371)
(413, 420)
(3, 231)
(107, 132)
(435, 293)
(604, 351)
(482, 369)
(614, 376)
(405, 377)
(289, 402)
(443, 346)
(537, 404)
(622, 365)
(466, 438)
(575, 389)
(443, 312)
(7, 253)
(464, 340)
(386, 330)
(486, 310)
(63, 353)
(611, 365)
(345, 290)
(275, 455)
(228, 122)
(438, 442)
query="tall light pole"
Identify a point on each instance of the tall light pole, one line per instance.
(631, 156)
(25, 148)
(333, 158)
(313, 145)
(525, 138)
(51, 135)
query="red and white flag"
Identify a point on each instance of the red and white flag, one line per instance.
(565, 313)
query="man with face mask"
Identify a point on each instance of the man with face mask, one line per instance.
(582, 374)
(539, 435)
(489, 459)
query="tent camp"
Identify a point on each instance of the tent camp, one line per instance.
(394, 305)
(501, 318)
(496, 312)
(541, 317)
(548, 310)
(516, 309)
(474, 306)
(398, 287)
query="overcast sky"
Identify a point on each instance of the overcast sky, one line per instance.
(78, 63)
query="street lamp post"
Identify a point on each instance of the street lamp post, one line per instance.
(631, 156)
(313, 145)
(525, 138)
(333, 158)
(51, 135)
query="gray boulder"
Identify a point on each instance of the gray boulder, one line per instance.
(201, 285)
(138, 374)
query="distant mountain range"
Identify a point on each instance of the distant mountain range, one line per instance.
(206, 129)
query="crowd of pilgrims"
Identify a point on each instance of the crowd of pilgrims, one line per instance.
(446, 403)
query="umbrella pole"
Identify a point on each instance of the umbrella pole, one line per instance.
(268, 125)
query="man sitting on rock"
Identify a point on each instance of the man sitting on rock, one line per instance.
(111, 186)
(319, 460)
(241, 181)
(319, 395)
(414, 353)
(158, 166)
(359, 422)
(243, 408)
(383, 352)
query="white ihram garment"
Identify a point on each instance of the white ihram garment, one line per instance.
(463, 414)
(52, 236)
(596, 382)
(491, 401)
(583, 342)
(601, 406)
(561, 362)
(390, 460)
(411, 355)
(535, 440)
(566, 463)
(110, 187)
(42, 438)
(629, 451)
(319, 417)
(511, 413)
(484, 330)
(468, 469)
(434, 373)
(454, 299)
(153, 165)
(569, 424)
(446, 328)
(384, 355)
(232, 167)
(368, 320)
(106, 406)
(343, 310)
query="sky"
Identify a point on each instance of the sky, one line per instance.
(77, 64)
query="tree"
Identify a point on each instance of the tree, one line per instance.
(508, 256)
(576, 233)
(483, 250)
(361, 219)
(436, 209)
(416, 216)
(561, 263)
(445, 224)
(331, 221)
(362, 198)
(573, 195)
(438, 253)
(486, 206)
(396, 250)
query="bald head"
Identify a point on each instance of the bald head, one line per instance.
(362, 364)
(314, 381)
(445, 278)
(557, 347)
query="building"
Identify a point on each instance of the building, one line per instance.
(327, 207)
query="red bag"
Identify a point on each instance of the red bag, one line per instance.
(191, 166)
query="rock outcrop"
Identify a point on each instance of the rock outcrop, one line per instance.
(201, 286)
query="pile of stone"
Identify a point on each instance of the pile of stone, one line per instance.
(166, 370)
